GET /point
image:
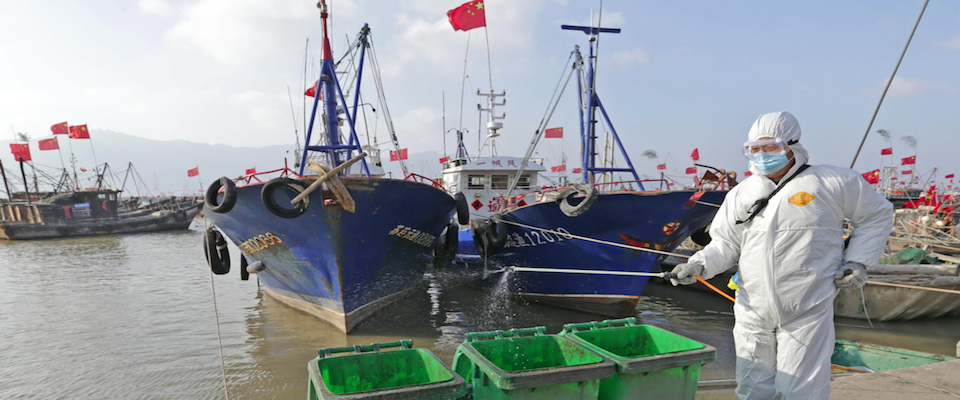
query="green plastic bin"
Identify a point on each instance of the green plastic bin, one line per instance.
(384, 375)
(651, 363)
(527, 364)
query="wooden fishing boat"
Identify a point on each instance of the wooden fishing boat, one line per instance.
(860, 357)
(885, 303)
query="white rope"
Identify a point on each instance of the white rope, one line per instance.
(569, 235)
(708, 204)
(216, 314)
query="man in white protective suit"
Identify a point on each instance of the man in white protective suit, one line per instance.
(784, 226)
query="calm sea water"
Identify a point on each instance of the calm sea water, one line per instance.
(134, 317)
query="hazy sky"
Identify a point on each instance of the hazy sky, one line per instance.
(681, 75)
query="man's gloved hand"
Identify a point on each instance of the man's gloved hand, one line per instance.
(851, 275)
(685, 273)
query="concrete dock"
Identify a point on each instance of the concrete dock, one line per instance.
(937, 381)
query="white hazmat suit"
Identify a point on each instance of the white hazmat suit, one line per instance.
(788, 255)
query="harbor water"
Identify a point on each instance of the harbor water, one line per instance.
(138, 317)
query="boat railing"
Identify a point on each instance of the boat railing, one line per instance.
(248, 179)
(422, 179)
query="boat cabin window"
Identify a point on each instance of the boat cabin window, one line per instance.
(476, 181)
(101, 196)
(499, 182)
(523, 182)
(113, 197)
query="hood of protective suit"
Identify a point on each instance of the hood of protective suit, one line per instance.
(783, 125)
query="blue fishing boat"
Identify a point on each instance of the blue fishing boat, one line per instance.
(586, 246)
(340, 252)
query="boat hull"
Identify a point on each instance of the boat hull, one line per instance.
(336, 265)
(94, 227)
(654, 220)
(886, 303)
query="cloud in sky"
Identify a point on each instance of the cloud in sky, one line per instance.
(906, 87)
(952, 43)
(628, 58)
(157, 8)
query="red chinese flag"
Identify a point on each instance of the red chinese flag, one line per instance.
(748, 173)
(559, 168)
(444, 159)
(893, 178)
(193, 172)
(695, 155)
(59, 129)
(948, 176)
(577, 170)
(79, 132)
(906, 172)
(691, 170)
(21, 152)
(468, 16)
(49, 144)
(661, 166)
(251, 171)
(886, 152)
(553, 133)
(909, 160)
(872, 176)
(312, 91)
(398, 155)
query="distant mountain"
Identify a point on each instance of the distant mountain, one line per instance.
(163, 165)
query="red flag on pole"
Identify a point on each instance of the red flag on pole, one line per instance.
(691, 170)
(49, 144)
(251, 171)
(398, 155)
(661, 166)
(948, 176)
(468, 16)
(577, 170)
(21, 152)
(59, 129)
(79, 132)
(748, 173)
(872, 176)
(444, 159)
(906, 172)
(909, 160)
(893, 178)
(559, 168)
(886, 152)
(312, 91)
(695, 155)
(553, 133)
(193, 172)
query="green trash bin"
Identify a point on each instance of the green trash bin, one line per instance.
(651, 363)
(528, 364)
(383, 375)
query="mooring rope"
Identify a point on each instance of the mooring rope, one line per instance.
(216, 316)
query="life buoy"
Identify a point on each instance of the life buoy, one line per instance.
(229, 195)
(496, 231)
(463, 210)
(244, 274)
(569, 209)
(218, 256)
(267, 197)
(478, 228)
(446, 245)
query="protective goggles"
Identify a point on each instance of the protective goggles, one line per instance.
(769, 145)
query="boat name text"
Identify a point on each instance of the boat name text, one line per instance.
(536, 238)
(259, 242)
(414, 235)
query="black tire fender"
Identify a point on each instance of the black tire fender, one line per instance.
(478, 227)
(218, 256)
(496, 230)
(701, 236)
(590, 196)
(244, 274)
(446, 248)
(267, 197)
(229, 195)
(463, 210)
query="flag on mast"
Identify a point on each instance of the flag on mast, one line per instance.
(696, 154)
(49, 144)
(79, 132)
(468, 16)
(553, 133)
(60, 129)
(21, 152)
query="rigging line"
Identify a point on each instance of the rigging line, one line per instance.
(539, 133)
(889, 82)
(486, 33)
(216, 315)
(294, 115)
(463, 81)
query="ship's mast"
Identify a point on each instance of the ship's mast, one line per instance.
(492, 124)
